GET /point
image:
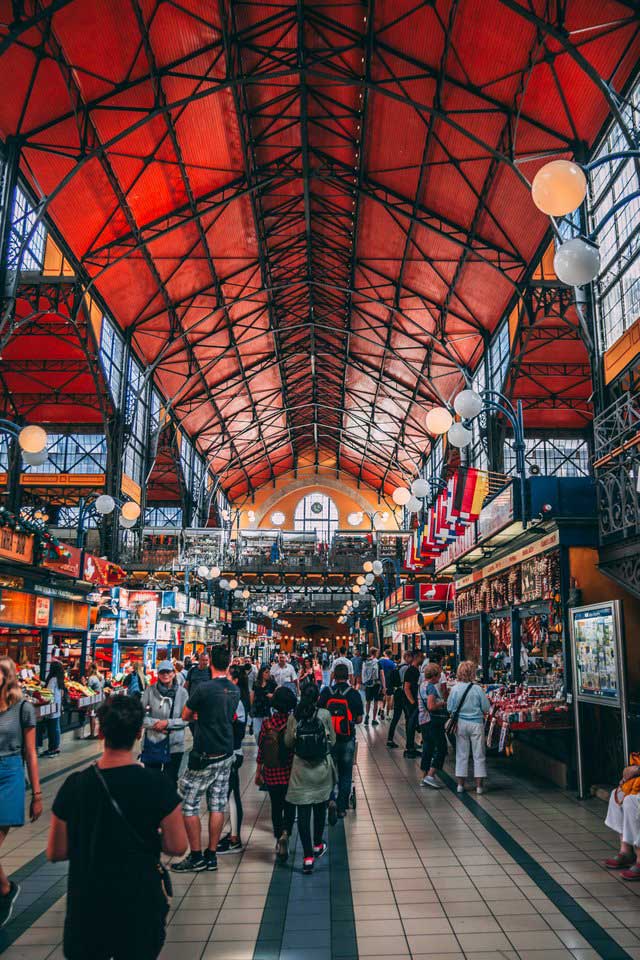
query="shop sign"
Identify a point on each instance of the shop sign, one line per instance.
(510, 560)
(96, 570)
(16, 546)
(496, 515)
(54, 592)
(193, 605)
(43, 609)
(457, 549)
(69, 565)
(443, 592)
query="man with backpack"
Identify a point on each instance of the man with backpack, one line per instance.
(374, 685)
(345, 706)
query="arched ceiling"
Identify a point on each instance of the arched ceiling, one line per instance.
(307, 216)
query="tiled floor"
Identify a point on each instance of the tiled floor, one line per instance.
(512, 874)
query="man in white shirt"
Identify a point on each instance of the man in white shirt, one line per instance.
(284, 674)
(345, 660)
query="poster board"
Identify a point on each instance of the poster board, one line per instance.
(596, 635)
(597, 655)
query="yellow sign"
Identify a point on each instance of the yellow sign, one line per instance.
(58, 479)
(130, 488)
(524, 553)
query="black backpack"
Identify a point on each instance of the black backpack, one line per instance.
(311, 739)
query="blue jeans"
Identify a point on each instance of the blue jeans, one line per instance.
(343, 753)
(53, 733)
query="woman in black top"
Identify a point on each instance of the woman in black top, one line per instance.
(263, 690)
(112, 821)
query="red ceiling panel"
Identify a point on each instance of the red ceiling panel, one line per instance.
(309, 222)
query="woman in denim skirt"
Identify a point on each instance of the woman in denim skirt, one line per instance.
(17, 741)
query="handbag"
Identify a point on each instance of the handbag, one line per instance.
(629, 787)
(451, 726)
(155, 752)
(165, 877)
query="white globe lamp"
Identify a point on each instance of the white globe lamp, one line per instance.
(577, 262)
(105, 504)
(420, 488)
(377, 567)
(468, 404)
(355, 588)
(414, 505)
(224, 584)
(459, 436)
(367, 566)
(356, 604)
(438, 421)
(401, 496)
(360, 580)
(214, 573)
(35, 459)
(233, 584)
(127, 524)
(32, 439)
(237, 594)
(203, 572)
(559, 188)
(370, 578)
(277, 518)
(354, 519)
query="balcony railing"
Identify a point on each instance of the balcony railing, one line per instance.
(617, 468)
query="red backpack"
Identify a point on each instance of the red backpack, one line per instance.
(341, 716)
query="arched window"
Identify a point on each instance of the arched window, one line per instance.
(317, 512)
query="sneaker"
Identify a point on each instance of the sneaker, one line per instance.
(227, 845)
(375, 724)
(307, 865)
(431, 782)
(282, 847)
(7, 903)
(392, 745)
(460, 788)
(479, 791)
(333, 813)
(211, 861)
(190, 864)
(320, 850)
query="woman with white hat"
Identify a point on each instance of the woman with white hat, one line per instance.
(163, 744)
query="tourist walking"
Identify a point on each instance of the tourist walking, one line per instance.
(310, 734)
(410, 684)
(261, 699)
(273, 769)
(232, 842)
(374, 685)
(163, 746)
(111, 821)
(17, 746)
(284, 674)
(214, 702)
(55, 683)
(432, 716)
(345, 707)
(468, 703)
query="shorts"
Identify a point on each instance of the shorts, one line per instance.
(374, 692)
(212, 781)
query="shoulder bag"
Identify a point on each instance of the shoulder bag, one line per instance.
(451, 726)
(165, 877)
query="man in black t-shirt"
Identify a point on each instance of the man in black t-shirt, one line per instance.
(411, 682)
(344, 749)
(200, 673)
(105, 821)
(212, 706)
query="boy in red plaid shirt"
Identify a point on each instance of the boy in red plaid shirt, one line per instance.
(274, 768)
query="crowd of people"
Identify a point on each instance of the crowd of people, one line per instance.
(114, 819)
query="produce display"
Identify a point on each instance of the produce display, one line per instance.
(77, 691)
(524, 708)
(36, 692)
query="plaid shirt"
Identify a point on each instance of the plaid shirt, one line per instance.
(274, 776)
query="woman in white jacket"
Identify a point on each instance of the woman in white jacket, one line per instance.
(163, 703)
